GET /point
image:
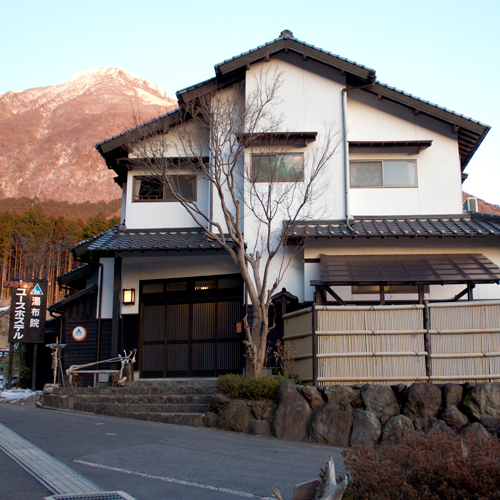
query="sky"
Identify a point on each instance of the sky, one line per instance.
(444, 51)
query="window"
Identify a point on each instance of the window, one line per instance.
(383, 173)
(278, 167)
(147, 188)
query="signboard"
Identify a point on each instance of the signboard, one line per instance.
(79, 333)
(27, 311)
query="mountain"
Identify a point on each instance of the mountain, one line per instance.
(47, 134)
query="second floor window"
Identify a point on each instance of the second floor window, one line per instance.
(148, 188)
(383, 173)
(276, 167)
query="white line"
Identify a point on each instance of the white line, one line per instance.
(169, 480)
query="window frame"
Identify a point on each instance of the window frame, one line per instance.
(383, 161)
(276, 155)
(163, 199)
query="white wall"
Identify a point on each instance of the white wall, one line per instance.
(439, 188)
(124, 203)
(171, 265)
(309, 100)
(107, 286)
(161, 214)
(392, 246)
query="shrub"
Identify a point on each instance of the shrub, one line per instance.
(425, 467)
(239, 387)
(24, 377)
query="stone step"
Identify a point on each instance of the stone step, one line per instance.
(191, 419)
(173, 382)
(134, 390)
(113, 408)
(180, 399)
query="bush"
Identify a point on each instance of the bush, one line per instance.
(239, 387)
(24, 377)
(425, 467)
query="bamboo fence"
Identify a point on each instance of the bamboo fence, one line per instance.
(389, 344)
(465, 341)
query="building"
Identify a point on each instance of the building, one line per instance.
(389, 226)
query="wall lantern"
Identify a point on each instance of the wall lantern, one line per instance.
(129, 296)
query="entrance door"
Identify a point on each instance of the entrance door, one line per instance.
(191, 338)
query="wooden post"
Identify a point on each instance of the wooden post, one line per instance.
(11, 364)
(33, 369)
(421, 294)
(382, 294)
(117, 292)
(427, 339)
(314, 344)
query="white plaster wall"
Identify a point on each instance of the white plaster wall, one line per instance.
(309, 100)
(108, 270)
(392, 246)
(181, 265)
(169, 145)
(124, 203)
(158, 214)
(232, 96)
(439, 188)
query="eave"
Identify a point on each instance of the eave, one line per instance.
(470, 133)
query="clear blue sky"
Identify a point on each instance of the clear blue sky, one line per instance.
(445, 51)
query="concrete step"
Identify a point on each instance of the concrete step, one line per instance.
(114, 408)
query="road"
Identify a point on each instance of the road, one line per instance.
(152, 461)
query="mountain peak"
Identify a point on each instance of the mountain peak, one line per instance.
(47, 134)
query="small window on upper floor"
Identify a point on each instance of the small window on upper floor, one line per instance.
(274, 167)
(383, 173)
(147, 188)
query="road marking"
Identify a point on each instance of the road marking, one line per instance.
(49, 471)
(171, 480)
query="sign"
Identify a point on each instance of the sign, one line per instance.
(27, 311)
(79, 333)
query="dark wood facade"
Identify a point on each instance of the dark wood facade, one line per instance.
(189, 326)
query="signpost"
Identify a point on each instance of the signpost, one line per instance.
(27, 318)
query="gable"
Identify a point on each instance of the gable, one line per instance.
(470, 133)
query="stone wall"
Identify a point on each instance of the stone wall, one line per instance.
(339, 415)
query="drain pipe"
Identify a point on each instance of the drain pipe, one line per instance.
(346, 159)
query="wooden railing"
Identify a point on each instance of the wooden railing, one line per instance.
(442, 342)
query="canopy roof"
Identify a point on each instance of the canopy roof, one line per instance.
(406, 269)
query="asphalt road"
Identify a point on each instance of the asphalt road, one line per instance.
(152, 461)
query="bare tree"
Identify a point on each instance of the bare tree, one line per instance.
(257, 198)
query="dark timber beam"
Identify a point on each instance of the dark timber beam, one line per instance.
(334, 295)
(117, 292)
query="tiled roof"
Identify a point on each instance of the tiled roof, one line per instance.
(402, 92)
(74, 274)
(462, 225)
(135, 240)
(305, 44)
(59, 306)
(99, 145)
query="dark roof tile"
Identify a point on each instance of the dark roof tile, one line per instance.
(463, 225)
